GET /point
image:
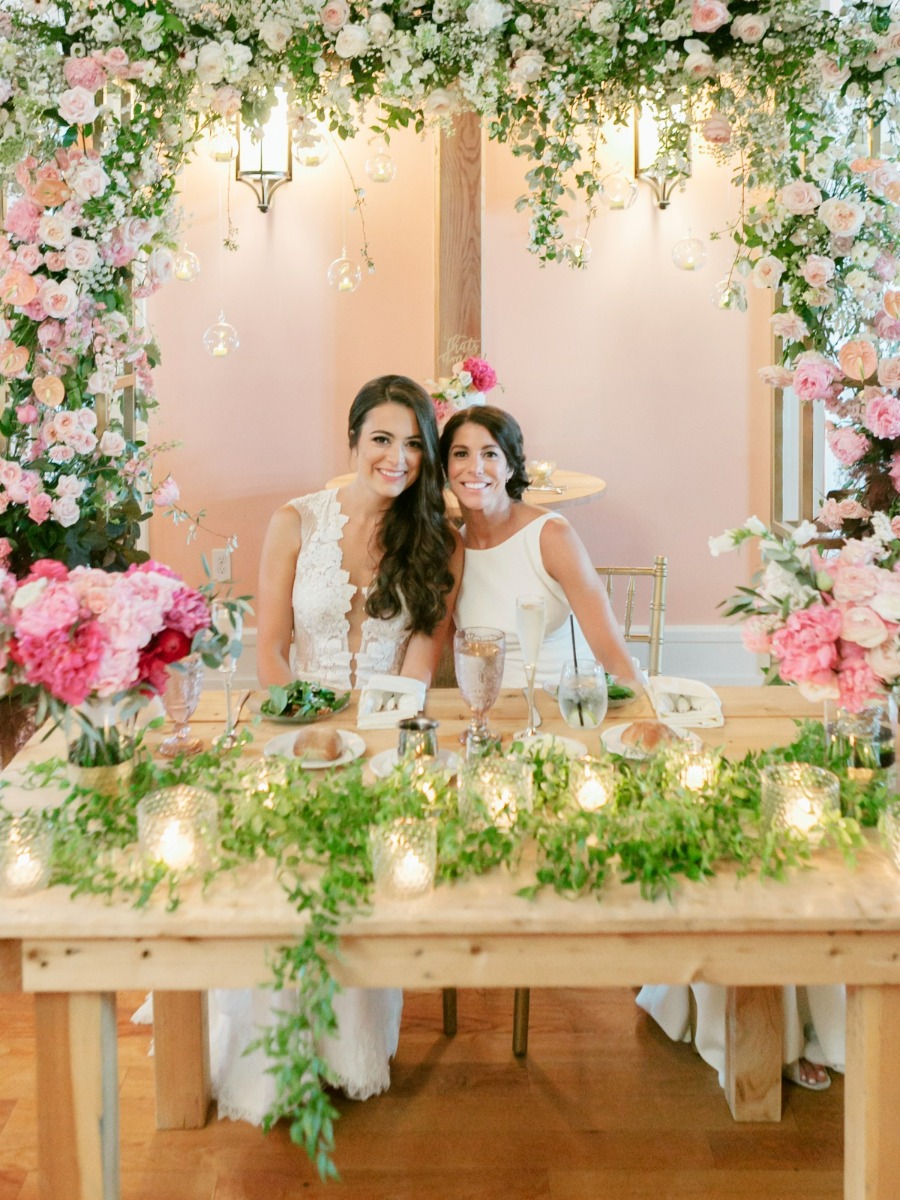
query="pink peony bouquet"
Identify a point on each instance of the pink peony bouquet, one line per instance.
(83, 639)
(830, 621)
(472, 379)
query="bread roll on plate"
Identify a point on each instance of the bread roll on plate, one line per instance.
(318, 745)
(649, 736)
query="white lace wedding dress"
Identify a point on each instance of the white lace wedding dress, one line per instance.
(368, 1018)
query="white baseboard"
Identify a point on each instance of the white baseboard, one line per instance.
(713, 653)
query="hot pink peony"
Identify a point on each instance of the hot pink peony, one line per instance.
(484, 377)
(847, 446)
(806, 647)
(883, 416)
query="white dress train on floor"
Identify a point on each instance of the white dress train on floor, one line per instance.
(814, 1021)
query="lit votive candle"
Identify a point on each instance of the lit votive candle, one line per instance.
(695, 770)
(797, 797)
(24, 856)
(504, 786)
(178, 827)
(404, 857)
(219, 351)
(592, 783)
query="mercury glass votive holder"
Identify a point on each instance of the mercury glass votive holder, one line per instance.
(694, 770)
(26, 847)
(179, 827)
(797, 797)
(504, 786)
(404, 857)
(592, 783)
(891, 828)
(417, 738)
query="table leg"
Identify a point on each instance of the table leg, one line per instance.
(77, 1095)
(181, 1049)
(754, 1035)
(872, 1094)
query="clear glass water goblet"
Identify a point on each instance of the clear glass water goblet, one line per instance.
(478, 655)
(583, 696)
(180, 699)
(531, 621)
(228, 622)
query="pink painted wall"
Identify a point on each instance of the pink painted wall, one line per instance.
(624, 370)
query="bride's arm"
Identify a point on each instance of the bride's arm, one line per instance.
(275, 625)
(424, 651)
(567, 561)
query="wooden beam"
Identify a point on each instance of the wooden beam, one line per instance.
(872, 1094)
(458, 202)
(77, 1096)
(181, 1048)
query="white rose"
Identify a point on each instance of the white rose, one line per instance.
(699, 65)
(89, 180)
(55, 230)
(211, 63)
(237, 59)
(767, 272)
(112, 444)
(800, 197)
(844, 217)
(439, 103)
(750, 27)
(334, 15)
(64, 511)
(527, 67)
(352, 41)
(161, 264)
(381, 26)
(486, 15)
(276, 33)
(77, 107)
(70, 485)
(832, 74)
(81, 254)
(105, 29)
(151, 34)
(28, 593)
(59, 299)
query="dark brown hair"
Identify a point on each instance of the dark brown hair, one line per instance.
(415, 540)
(506, 432)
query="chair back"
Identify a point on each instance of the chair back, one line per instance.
(628, 588)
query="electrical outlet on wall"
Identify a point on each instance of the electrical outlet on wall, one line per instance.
(221, 565)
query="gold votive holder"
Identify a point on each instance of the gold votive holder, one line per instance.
(26, 848)
(694, 770)
(540, 471)
(404, 857)
(798, 797)
(592, 783)
(502, 787)
(179, 827)
(891, 829)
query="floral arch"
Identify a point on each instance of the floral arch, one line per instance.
(102, 101)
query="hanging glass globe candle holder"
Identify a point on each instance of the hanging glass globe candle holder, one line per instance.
(309, 146)
(730, 295)
(186, 265)
(223, 145)
(344, 274)
(221, 339)
(577, 252)
(618, 190)
(380, 167)
(689, 253)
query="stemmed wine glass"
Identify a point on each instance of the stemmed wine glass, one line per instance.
(531, 621)
(478, 655)
(180, 699)
(229, 622)
(583, 695)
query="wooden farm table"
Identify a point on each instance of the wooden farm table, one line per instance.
(829, 925)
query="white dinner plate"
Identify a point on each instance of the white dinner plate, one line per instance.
(282, 746)
(382, 764)
(554, 741)
(612, 741)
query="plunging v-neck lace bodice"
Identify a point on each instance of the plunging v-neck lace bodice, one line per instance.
(322, 598)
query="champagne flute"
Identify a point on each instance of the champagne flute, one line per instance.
(531, 621)
(180, 699)
(583, 696)
(228, 622)
(478, 654)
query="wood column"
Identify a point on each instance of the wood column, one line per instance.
(754, 1036)
(872, 1094)
(77, 1096)
(181, 1049)
(458, 203)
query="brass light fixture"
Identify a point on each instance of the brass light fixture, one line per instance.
(264, 156)
(652, 165)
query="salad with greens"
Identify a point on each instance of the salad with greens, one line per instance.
(301, 700)
(616, 690)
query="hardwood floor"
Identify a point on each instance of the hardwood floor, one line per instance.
(603, 1108)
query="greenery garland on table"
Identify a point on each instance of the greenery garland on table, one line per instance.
(315, 833)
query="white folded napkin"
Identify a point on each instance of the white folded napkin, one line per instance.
(685, 703)
(386, 700)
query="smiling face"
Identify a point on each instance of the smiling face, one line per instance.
(477, 469)
(389, 450)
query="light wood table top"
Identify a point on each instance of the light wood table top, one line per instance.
(576, 488)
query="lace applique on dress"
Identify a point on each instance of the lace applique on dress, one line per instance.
(322, 598)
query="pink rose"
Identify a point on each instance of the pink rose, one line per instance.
(813, 376)
(716, 130)
(842, 217)
(81, 254)
(887, 326)
(847, 446)
(77, 107)
(886, 267)
(884, 661)
(883, 416)
(166, 493)
(29, 257)
(800, 197)
(59, 300)
(863, 627)
(853, 583)
(750, 28)
(84, 73)
(334, 15)
(777, 377)
(27, 414)
(818, 270)
(789, 326)
(699, 65)
(39, 507)
(709, 15)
